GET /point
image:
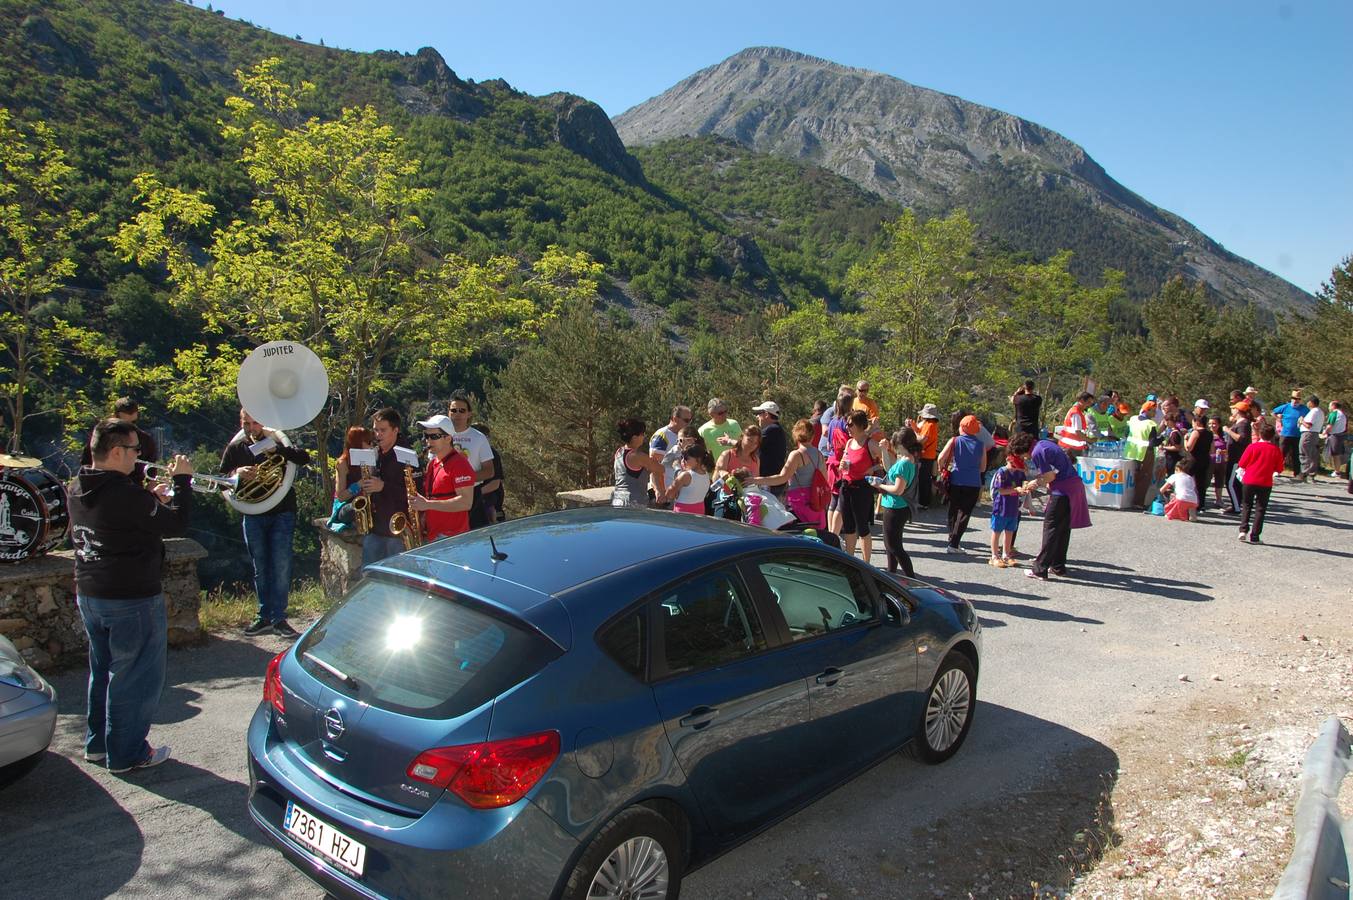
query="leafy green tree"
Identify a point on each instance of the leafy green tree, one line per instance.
(38, 227)
(1319, 347)
(927, 296)
(1191, 349)
(1051, 328)
(558, 401)
(331, 253)
(826, 349)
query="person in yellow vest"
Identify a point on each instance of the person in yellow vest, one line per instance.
(1141, 446)
(1112, 417)
(1076, 431)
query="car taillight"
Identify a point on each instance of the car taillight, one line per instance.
(492, 774)
(272, 684)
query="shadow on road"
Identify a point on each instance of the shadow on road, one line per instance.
(65, 835)
(1025, 801)
(1132, 582)
(1321, 550)
(218, 658)
(1024, 611)
(222, 799)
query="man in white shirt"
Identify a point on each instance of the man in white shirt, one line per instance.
(666, 437)
(1336, 434)
(1311, 424)
(470, 442)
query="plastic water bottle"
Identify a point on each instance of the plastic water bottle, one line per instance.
(753, 509)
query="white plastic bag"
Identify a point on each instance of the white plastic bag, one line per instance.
(773, 512)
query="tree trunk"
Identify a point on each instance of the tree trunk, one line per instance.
(20, 385)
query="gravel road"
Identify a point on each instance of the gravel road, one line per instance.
(1069, 665)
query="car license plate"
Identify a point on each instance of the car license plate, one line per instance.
(326, 839)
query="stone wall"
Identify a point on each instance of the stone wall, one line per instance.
(38, 611)
(583, 497)
(340, 559)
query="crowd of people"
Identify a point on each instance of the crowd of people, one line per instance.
(839, 472)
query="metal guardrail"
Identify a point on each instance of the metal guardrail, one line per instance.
(1319, 869)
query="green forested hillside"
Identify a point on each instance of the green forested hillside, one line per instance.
(811, 224)
(1033, 212)
(136, 85)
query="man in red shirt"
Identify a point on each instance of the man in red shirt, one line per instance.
(448, 484)
(1259, 463)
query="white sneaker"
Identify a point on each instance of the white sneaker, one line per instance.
(949, 548)
(157, 756)
(1243, 535)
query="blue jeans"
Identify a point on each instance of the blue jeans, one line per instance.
(376, 548)
(126, 674)
(268, 538)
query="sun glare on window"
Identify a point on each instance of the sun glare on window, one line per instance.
(404, 633)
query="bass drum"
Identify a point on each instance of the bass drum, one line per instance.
(34, 514)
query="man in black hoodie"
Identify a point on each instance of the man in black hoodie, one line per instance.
(118, 529)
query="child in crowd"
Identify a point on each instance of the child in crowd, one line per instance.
(1183, 505)
(1219, 472)
(1007, 490)
(1258, 464)
(688, 489)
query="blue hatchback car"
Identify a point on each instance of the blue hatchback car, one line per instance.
(590, 703)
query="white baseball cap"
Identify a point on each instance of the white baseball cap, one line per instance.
(1201, 404)
(441, 422)
(770, 406)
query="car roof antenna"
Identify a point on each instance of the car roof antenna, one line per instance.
(497, 555)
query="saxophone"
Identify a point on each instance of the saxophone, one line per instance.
(361, 508)
(408, 525)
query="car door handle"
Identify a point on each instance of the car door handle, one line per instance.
(831, 676)
(698, 718)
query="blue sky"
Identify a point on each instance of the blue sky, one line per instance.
(1233, 114)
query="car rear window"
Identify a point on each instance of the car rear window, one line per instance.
(419, 653)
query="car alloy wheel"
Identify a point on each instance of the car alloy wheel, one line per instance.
(635, 856)
(636, 870)
(948, 711)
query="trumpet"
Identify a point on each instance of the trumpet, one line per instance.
(201, 482)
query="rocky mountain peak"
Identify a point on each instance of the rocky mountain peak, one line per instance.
(936, 152)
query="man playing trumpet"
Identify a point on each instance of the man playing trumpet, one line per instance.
(118, 532)
(267, 535)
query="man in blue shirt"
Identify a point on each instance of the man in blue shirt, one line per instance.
(1289, 429)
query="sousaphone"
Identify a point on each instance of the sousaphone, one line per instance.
(282, 384)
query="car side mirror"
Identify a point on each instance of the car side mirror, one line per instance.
(898, 613)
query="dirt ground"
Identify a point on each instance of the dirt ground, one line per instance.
(1202, 802)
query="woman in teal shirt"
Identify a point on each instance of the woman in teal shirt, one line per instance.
(894, 487)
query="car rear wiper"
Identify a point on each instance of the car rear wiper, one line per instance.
(345, 678)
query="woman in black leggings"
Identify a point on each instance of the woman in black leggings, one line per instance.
(896, 509)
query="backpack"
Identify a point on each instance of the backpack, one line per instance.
(912, 489)
(819, 491)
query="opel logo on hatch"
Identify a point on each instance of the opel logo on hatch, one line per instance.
(333, 724)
